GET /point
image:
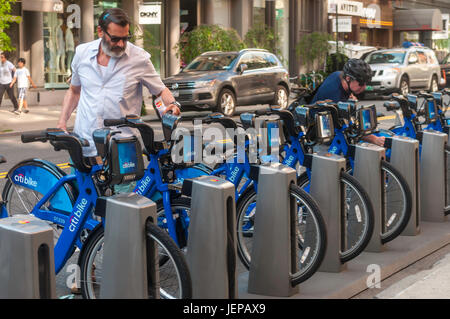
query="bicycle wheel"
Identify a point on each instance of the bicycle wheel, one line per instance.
(357, 212)
(398, 202)
(311, 233)
(174, 277)
(22, 197)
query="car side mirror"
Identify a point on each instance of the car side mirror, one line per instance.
(243, 67)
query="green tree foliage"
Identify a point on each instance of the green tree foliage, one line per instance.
(263, 37)
(207, 38)
(313, 46)
(5, 21)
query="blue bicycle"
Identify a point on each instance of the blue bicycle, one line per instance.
(351, 124)
(237, 171)
(30, 189)
(429, 115)
(302, 129)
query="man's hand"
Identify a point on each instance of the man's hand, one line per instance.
(174, 108)
(377, 140)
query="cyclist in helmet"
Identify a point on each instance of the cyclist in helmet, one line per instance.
(345, 84)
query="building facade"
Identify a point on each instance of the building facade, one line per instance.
(51, 29)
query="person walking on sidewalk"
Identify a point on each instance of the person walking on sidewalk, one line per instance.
(7, 70)
(23, 79)
(108, 75)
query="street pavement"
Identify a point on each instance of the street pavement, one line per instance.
(431, 279)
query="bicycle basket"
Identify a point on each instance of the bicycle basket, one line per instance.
(367, 120)
(431, 111)
(125, 160)
(324, 127)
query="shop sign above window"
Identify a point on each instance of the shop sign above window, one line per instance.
(150, 13)
(43, 5)
(352, 8)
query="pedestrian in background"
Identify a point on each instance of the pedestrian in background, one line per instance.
(7, 71)
(23, 79)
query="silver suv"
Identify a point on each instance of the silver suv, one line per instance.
(403, 70)
(223, 80)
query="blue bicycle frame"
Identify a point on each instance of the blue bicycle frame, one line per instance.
(80, 218)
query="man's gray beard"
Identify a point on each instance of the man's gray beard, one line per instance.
(109, 52)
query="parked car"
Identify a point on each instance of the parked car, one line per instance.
(223, 80)
(445, 71)
(403, 70)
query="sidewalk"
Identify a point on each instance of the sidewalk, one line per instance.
(39, 118)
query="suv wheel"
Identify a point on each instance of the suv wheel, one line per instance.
(404, 86)
(226, 103)
(281, 97)
(434, 86)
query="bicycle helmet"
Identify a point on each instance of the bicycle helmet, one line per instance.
(358, 70)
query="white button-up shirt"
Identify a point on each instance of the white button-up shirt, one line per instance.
(110, 92)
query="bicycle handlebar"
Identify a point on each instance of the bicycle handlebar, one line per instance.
(62, 140)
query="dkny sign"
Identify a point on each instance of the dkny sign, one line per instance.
(150, 13)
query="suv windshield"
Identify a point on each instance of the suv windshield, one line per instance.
(386, 57)
(211, 62)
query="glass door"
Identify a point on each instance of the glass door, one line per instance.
(154, 41)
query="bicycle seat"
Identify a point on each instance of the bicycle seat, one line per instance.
(391, 105)
(225, 121)
(135, 121)
(247, 120)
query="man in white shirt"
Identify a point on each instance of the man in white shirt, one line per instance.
(7, 70)
(107, 79)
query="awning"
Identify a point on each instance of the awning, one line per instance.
(418, 20)
(43, 5)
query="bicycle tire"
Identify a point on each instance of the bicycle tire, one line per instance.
(90, 268)
(310, 258)
(406, 195)
(355, 244)
(20, 199)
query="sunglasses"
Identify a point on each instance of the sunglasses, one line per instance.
(115, 39)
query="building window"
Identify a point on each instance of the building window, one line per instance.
(100, 6)
(60, 39)
(282, 28)
(259, 12)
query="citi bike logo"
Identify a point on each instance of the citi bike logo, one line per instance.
(289, 160)
(128, 165)
(25, 180)
(75, 219)
(143, 185)
(234, 174)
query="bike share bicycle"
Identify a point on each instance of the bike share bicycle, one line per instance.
(351, 124)
(94, 176)
(303, 128)
(414, 119)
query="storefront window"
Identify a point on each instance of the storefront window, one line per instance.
(100, 6)
(60, 39)
(282, 28)
(259, 10)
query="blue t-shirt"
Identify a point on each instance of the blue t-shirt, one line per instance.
(331, 89)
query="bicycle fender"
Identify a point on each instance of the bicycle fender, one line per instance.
(40, 175)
